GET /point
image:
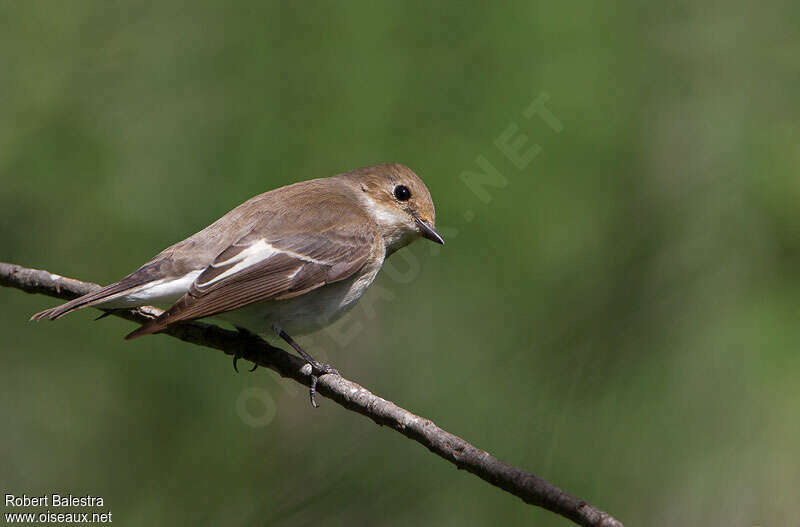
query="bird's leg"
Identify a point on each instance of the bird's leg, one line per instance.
(318, 369)
(248, 335)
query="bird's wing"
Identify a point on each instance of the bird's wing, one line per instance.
(278, 259)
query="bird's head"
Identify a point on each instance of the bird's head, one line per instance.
(398, 201)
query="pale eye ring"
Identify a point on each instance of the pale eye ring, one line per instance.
(402, 193)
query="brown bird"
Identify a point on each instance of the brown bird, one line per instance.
(289, 261)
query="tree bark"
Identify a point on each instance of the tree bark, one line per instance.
(526, 486)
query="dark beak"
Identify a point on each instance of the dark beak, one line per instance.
(428, 232)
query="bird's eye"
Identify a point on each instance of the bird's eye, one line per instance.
(402, 193)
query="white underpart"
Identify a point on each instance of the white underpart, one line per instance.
(165, 290)
(308, 312)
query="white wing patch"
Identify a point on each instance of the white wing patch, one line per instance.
(256, 252)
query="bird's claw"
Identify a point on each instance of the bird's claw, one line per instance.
(236, 357)
(318, 369)
(321, 368)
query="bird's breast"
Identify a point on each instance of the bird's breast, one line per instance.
(308, 312)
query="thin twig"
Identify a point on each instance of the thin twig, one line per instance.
(530, 488)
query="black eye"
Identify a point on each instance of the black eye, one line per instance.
(402, 193)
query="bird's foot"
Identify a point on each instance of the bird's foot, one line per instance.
(317, 370)
(321, 368)
(248, 336)
(314, 368)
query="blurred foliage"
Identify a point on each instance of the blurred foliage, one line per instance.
(620, 318)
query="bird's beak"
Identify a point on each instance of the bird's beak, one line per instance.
(428, 232)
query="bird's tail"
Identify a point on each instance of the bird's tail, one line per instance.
(101, 295)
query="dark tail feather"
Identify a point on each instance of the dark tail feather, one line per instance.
(59, 311)
(101, 295)
(85, 301)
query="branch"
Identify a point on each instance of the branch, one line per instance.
(526, 486)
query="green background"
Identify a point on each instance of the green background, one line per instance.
(620, 317)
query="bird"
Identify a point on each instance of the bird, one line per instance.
(286, 262)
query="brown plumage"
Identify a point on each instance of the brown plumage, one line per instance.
(262, 263)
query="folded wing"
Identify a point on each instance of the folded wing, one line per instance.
(271, 263)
